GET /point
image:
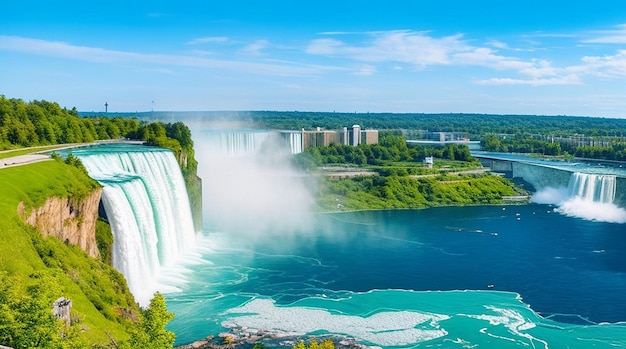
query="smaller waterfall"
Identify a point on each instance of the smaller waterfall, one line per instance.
(587, 196)
(592, 187)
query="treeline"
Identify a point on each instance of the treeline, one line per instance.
(38, 123)
(614, 150)
(473, 124)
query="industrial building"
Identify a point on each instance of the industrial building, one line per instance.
(347, 136)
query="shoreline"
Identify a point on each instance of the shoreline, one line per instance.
(245, 338)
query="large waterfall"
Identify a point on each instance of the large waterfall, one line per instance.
(592, 187)
(235, 143)
(146, 202)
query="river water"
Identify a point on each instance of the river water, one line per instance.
(455, 277)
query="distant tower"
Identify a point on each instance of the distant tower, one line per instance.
(356, 135)
(106, 107)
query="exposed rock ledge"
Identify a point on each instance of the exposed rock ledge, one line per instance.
(70, 220)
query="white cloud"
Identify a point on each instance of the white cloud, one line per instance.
(410, 47)
(488, 58)
(616, 36)
(256, 47)
(208, 39)
(564, 80)
(607, 66)
(325, 47)
(365, 70)
(100, 55)
(421, 49)
(498, 44)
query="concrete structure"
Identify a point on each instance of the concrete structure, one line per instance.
(447, 136)
(355, 135)
(346, 136)
(62, 310)
(472, 145)
(369, 136)
(537, 175)
(429, 161)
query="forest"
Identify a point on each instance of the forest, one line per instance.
(473, 124)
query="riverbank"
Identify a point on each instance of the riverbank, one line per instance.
(245, 338)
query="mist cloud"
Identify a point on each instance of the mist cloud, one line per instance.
(249, 186)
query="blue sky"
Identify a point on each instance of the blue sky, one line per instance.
(522, 57)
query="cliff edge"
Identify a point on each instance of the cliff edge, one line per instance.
(71, 220)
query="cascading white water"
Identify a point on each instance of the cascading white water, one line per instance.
(293, 140)
(146, 202)
(236, 142)
(592, 187)
(587, 196)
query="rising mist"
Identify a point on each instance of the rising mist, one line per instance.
(249, 186)
(575, 206)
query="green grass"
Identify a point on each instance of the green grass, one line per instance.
(24, 151)
(98, 292)
(390, 192)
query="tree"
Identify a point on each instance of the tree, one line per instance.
(26, 319)
(314, 344)
(151, 332)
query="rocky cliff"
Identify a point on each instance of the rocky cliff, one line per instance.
(69, 219)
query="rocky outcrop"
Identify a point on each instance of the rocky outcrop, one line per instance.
(71, 220)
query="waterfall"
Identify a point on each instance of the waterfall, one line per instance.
(146, 202)
(234, 143)
(293, 140)
(592, 187)
(590, 196)
(237, 143)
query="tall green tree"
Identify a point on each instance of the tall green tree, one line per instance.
(151, 332)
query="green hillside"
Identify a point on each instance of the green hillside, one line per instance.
(102, 304)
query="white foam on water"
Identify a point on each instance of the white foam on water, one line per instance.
(394, 328)
(550, 196)
(593, 211)
(513, 321)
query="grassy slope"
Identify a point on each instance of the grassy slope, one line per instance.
(83, 279)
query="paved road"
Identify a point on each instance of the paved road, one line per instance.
(22, 160)
(34, 157)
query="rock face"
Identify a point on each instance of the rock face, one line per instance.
(70, 220)
(62, 310)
